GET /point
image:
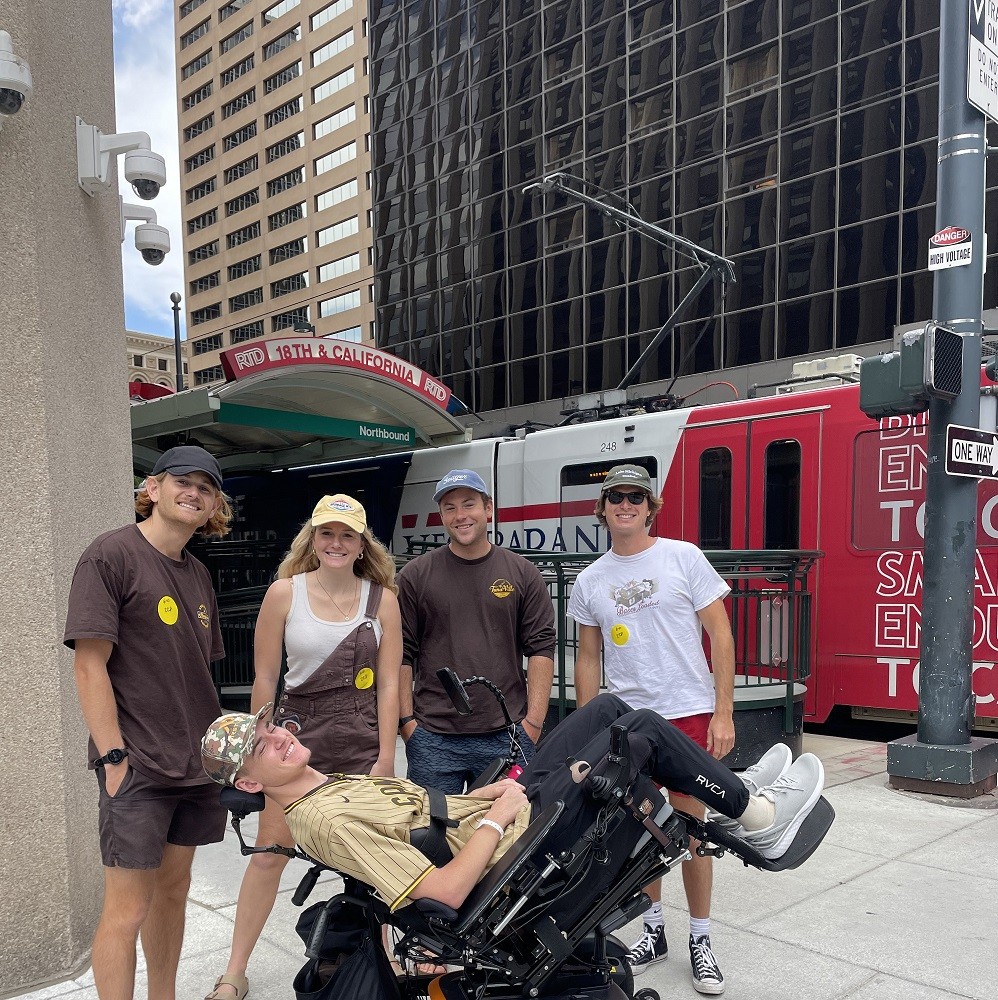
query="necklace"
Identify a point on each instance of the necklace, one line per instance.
(343, 613)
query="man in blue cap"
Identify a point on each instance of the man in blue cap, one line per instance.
(479, 609)
(143, 626)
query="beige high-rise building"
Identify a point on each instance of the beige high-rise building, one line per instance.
(274, 165)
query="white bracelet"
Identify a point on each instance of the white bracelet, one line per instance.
(495, 826)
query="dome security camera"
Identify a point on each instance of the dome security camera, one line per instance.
(153, 242)
(146, 172)
(15, 78)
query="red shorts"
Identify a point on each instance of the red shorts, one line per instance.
(695, 727)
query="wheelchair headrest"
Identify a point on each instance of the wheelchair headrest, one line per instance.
(241, 803)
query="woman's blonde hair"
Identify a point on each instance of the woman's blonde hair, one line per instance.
(655, 504)
(218, 523)
(376, 565)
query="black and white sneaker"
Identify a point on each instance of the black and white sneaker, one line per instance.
(650, 948)
(707, 976)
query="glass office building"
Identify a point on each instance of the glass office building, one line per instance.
(796, 137)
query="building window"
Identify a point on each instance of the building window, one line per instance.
(188, 7)
(339, 303)
(161, 365)
(282, 77)
(200, 222)
(333, 47)
(282, 112)
(244, 267)
(231, 41)
(231, 8)
(200, 190)
(280, 43)
(199, 159)
(333, 85)
(327, 13)
(238, 334)
(336, 158)
(244, 235)
(273, 13)
(203, 252)
(285, 146)
(293, 248)
(242, 202)
(138, 360)
(194, 65)
(337, 268)
(205, 315)
(234, 72)
(199, 127)
(336, 195)
(286, 320)
(286, 216)
(286, 181)
(352, 333)
(348, 227)
(199, 285)
(244, 100)
(292, 283)
(242, 168)
(197, 96)
(342, 117)
(245, 300)
(206, 375)
(238, 137)
(198, 31)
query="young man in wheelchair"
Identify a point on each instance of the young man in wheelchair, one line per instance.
(363, 826)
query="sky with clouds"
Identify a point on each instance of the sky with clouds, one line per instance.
(146, 101)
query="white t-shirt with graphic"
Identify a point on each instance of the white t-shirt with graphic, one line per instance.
(646, 607)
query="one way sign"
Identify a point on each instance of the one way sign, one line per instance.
(971, 452)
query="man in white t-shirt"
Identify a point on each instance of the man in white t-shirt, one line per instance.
(643, 605)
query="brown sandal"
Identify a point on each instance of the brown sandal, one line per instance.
(239, 983)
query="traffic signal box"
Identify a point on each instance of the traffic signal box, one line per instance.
(929, 362)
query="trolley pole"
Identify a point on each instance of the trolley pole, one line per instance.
(944, 757)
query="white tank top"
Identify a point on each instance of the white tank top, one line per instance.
(309, 639)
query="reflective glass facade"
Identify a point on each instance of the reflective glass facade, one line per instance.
(797, 137)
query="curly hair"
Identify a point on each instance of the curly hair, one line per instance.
(376, 565)
(655, 504)
(218, 523)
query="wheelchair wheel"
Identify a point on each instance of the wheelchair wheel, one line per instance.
(646, 994)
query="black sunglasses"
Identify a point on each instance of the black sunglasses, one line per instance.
(637, 498)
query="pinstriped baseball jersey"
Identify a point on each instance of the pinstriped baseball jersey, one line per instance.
(361, 827)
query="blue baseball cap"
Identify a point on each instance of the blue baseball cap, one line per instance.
(457, 479)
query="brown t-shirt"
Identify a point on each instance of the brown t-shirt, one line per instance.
(162, 617)
(479, 616)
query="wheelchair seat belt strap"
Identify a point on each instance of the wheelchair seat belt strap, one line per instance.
(432, 840)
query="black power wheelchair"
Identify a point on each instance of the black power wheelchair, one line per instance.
(540, 923)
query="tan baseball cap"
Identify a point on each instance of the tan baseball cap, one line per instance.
(229, 741)
(342, 508)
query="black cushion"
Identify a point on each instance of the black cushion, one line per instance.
(241, 803)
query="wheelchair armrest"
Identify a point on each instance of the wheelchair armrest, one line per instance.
(434, 908)
(241, 803)
(809, 836)
(492, 773)
(507, 866)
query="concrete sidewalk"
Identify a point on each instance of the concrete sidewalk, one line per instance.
(899, 903)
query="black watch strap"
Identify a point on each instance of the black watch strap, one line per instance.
(114, 756)
(406, 719)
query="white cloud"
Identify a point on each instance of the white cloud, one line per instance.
(145, 97)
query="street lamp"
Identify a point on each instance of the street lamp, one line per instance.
(302, 326)
(175, 299)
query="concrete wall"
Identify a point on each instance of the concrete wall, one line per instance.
(65, 462)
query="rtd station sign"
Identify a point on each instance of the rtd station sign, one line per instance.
(982, 68)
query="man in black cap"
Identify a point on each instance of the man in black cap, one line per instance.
(143, 625)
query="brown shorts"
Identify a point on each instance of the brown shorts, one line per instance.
(146, 815)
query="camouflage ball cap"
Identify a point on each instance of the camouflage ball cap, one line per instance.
(228, 742)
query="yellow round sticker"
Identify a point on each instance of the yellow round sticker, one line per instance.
(364, 678)
(168, 611)
(619, 635)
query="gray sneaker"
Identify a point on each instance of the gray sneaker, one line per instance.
(772, 765)
(794, 795)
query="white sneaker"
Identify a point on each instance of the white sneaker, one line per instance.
(773, 764)
(794, 795)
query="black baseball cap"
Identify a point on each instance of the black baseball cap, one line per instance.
(189, 458)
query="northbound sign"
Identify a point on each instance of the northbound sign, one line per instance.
(982, 68)
(971, 452)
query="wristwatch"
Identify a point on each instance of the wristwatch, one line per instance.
(115, 756)
(405, 720)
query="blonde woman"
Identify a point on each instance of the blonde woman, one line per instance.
(333, 608)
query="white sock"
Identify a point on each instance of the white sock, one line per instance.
(759, 814)
(699, 926)
(653, 916)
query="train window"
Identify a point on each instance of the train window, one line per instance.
(593, 473)
(715, 499)
(781, 518)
